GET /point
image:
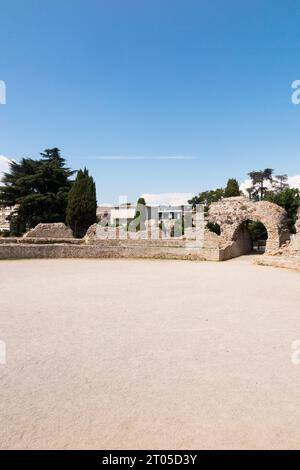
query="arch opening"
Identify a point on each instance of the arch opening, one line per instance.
(251, 237)
(247, 224)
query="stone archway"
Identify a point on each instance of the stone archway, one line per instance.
(250, 236)
(231, 213)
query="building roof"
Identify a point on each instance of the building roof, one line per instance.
(167, 199)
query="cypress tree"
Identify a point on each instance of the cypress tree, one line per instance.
(82, 204)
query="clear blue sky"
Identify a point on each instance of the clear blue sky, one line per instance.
(208, 79)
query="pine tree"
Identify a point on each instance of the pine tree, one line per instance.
(232, 188)
(259, 178)
(82, 204)
(38, 189)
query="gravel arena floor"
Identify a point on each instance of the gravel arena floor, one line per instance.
(146, 354)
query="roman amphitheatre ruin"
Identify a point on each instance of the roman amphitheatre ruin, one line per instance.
(158, 353)
(198, 243)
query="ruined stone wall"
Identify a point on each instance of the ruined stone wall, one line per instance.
(152, 231)
(241, 246)
(295, 242)
(212, 248)
(231, 213)
(297, 224)
(43, 242)
(170, 249)
(56, 240)
(57, 230)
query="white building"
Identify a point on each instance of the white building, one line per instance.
(116, 215)
(103, 212)
(4, 213)
(122, 215)
(167, 206)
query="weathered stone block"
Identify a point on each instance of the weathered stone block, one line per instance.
(57, 230)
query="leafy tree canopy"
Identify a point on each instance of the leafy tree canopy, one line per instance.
(38, 189)
(207, 197)
(289, 199)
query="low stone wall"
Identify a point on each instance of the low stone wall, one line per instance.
(23, 251)
(106, 249)
(288, 262)
(39, 241)
(214, 248)
(211, 248)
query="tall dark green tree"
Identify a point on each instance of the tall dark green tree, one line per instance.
(38, 189)
(82, 204)
(232, 188)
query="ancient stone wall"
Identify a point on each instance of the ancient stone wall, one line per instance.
(57, 230)
(231, 213)
(51, 241)
(295, 241)
(168, 249)
(56, 240)
(152, 231)
(297, 224)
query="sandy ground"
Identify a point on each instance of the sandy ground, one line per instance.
(117, 354)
